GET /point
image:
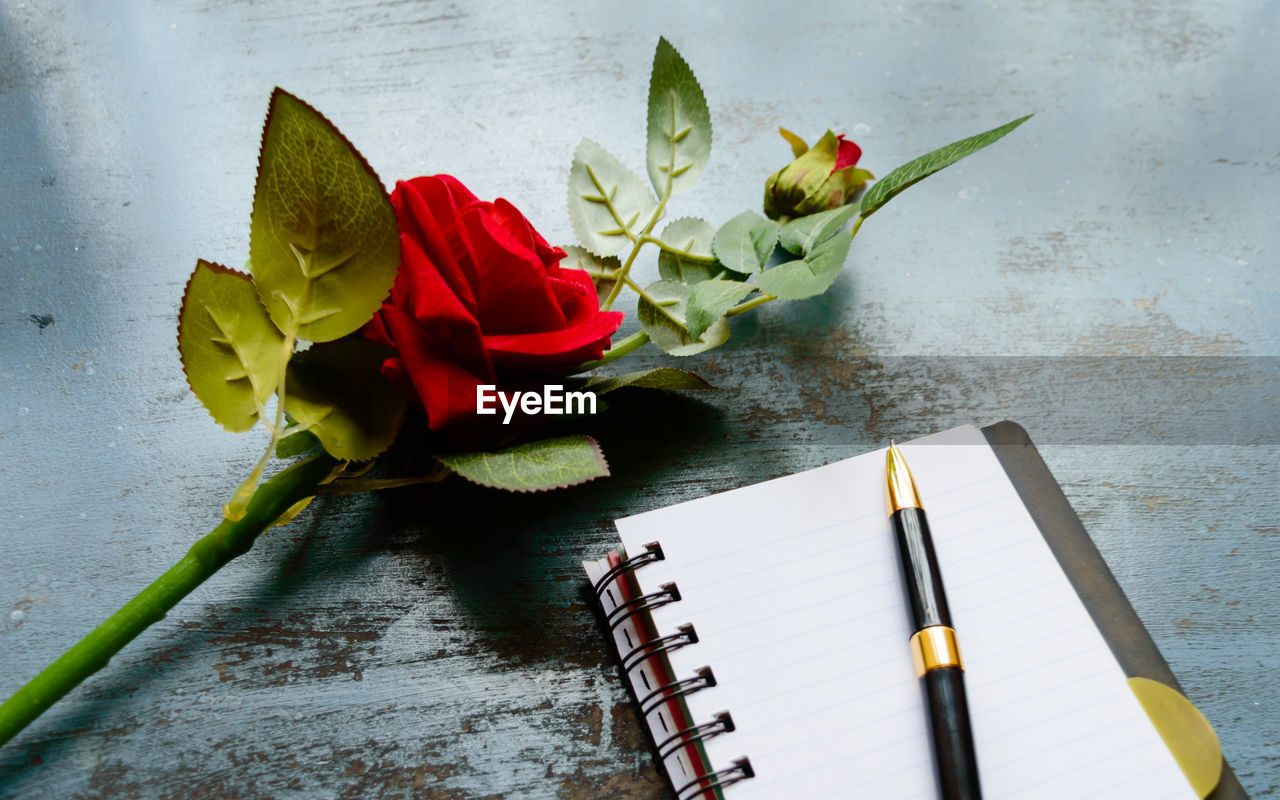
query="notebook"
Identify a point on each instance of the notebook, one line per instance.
(764, 634)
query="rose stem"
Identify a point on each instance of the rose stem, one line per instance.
(633, 342)
(207, 556)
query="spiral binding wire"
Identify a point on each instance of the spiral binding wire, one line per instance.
(721, 723)
(703, 678)
(667, 593)
(652, 552)
(685, 635)
(740, 771)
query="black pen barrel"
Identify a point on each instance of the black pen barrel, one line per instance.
(955, 759)
(922, 580)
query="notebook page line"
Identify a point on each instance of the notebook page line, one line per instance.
(888, 775)
(852, 543)
(878, 514)
(874, 642)
(690, 610)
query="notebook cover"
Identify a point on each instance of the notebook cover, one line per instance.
(1086, 570)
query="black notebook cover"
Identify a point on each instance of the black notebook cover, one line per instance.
(1085, 569)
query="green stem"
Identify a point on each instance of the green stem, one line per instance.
(857, 224)
(358, 485)
(750, 304)
(638, 241)
(633, 342)
(207, 556)
(675, 251)
(625, 270)
(638, 289)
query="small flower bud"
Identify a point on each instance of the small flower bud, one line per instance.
(822, 177)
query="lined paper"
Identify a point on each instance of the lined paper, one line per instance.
(794, 588)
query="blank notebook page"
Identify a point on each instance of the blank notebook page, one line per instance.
(795, 590)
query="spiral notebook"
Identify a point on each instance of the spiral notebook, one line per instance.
(764, 635)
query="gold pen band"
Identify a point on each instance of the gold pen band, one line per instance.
(935, 647)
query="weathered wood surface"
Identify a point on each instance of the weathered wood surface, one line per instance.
(1106, 277)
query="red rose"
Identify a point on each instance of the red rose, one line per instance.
(479, 297)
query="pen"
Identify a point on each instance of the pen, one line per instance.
(934, 648)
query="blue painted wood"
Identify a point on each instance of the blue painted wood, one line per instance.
(1105, 276)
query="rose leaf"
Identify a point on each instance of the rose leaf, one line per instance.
(295, 444)
(679, 132)
(890, 185)
(337, 392)
(601, 270)
(744, 243)
(665, 378)
(804, 233)
(609, 205)
(686, 254)
(808, 276)
(322, 239)
(709, 301)
(534, 466)
(664, 320)
(231, 352)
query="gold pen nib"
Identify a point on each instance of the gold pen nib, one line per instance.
(901, 489)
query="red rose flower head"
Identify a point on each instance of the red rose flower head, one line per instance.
(480, 297)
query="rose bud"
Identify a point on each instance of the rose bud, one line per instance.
(822, 177)
(480, 298)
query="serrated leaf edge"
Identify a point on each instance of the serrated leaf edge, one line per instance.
(182, 308)
(641, 374)
(871, 194)
(670, 171)
(596, 451)
(276, 94)
(623, 233)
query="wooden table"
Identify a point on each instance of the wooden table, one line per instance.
(1106, 276)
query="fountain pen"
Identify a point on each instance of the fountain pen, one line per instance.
(934, 648)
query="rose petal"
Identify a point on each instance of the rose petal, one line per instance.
(427, 296)
(394, 371)
(424, 212)
(445, 387)
(553, 350)
(847, 155)
(375, 330)
(511, 220)
(575, 292)
(512, 289)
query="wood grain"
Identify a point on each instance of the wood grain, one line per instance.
(1106, 277)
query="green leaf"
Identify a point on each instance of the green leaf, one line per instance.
(296, 444)
(743, 244)
(709, 301)
(322, 240)
(693, 261)
(609, 205)
(890, 185)
(679, 123)
(533, 467)
(231, 353)
(601, 270)
(808, 276)
(664, 321)
(666, 378)
(803, 234)
(337, 392)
